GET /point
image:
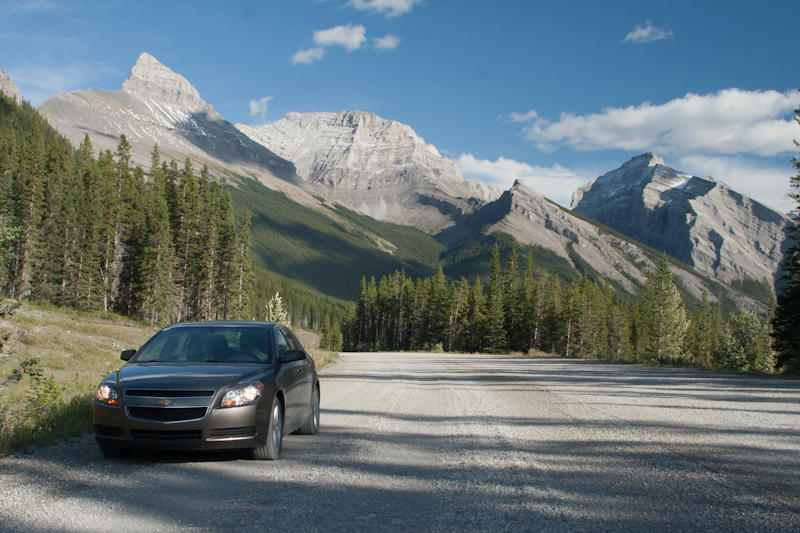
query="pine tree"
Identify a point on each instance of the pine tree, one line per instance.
(495, 338)
(474, 319)
(664, 322)
(243, 268)
(702, 335)
(744, 344)
(786, 320)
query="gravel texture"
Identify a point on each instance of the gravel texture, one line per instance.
(459, 443)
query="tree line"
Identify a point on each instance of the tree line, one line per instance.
(523, 309)
(97, 233)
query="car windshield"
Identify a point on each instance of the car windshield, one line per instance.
(192, 344)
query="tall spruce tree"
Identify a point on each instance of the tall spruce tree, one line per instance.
(664, 321)
(495, 339)
(786, 321)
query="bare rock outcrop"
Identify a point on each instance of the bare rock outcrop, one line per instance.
(379, 167)
(701, 221)
(8, 88)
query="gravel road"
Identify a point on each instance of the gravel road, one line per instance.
(464, 443)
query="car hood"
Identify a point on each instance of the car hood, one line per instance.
(185, 376)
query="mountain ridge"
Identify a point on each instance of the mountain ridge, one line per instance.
(379, 167)
(698, 220)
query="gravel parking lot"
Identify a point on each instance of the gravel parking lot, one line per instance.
(442, 442)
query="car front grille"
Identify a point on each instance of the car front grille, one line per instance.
(148, 435)
(167, 393)
(167, 414)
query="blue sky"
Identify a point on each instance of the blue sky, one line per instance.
(552, 93)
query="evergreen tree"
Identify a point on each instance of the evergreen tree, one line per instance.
(744, 344)
(495, 338)
(474, 319)
(702, 335)
(664, 321)
(786, 320)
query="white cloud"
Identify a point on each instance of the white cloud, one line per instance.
(767, 183)
(387, 42)
(731, 121)
(555, 183)
(37, 83)
(647, 34)
(308, 56)
(349, 37)
(260, 106)
(392, 8)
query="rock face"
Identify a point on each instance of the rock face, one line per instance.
(8, 88)
(700, 221)
(379, 167)
(157, 105)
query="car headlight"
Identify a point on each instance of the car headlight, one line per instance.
(107, 394)
(242, 395)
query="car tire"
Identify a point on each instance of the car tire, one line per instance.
(272, 448)
(311, 427)
(109, 451)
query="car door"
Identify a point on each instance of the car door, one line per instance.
(306, 379)
(289, 379)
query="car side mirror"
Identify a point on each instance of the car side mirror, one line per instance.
(126, 354)
(292, 355)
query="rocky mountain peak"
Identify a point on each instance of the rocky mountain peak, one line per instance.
(8, 88)
(150, 77)
(648, 159)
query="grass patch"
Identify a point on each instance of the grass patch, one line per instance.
(321, 357)
(51, 361)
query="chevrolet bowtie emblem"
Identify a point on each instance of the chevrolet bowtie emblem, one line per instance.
(165, 403)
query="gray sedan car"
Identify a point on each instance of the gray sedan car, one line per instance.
(209, 386)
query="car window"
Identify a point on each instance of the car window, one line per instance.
(294, 344)
(281, 344)
(244, 344)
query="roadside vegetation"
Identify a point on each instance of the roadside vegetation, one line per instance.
(526, 310)
(51, 361)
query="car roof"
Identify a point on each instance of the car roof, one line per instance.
(227, 323)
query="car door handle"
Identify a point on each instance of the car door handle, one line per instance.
(299, 370)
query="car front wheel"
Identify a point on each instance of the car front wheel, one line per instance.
(272, 448)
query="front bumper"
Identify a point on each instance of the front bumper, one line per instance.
(217, 429)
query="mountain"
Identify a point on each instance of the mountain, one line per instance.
(157, 105)
(588, 247)
(8, 88)
(328, 190)
(375, 166)
(700, 221)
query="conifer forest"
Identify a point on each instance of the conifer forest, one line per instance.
(162, 245)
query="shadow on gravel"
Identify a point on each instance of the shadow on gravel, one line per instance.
(461, 473)
(324, 483)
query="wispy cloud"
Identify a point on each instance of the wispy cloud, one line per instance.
(260, 106)
(647, 34)
(763, 180)
(37, 83)
(555, 182)
(31, 6)
(731, 121)
(308, 56)
(387, 42)
(348, 37)
(391, 8)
